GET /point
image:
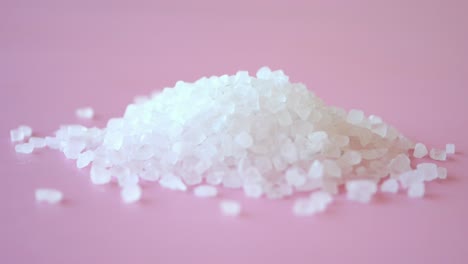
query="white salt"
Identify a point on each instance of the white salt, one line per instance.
(411, 177)
(16, 135)
(230, 208)
(131, 193)
(50, 196)
(25, 130)
(264, 135)
(450, 148)
(316, 170)
(360, 190)
(416, 190)
(429, 170)
(420, 150)
(389, 186)
(24, 148)
(355, 116)
(438, 154)
(85, 113)
(37, 142)
(205, 191)
(172, 182)
(442, 173)
(317, 202)
(84, 159)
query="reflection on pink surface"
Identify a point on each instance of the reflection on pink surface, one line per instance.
(406, 61)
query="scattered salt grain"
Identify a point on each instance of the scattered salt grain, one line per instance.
(172, 182)
(131, 193)
(442, 173)
(50, 196)
(85, 113)
(24, 148)
(230, 208)
(37, 142)
(360, 190)
(25, 130)
(355, 116)
(438, 154)
(16, 135)
(317, 202)
(416, 190)
(389, 186)
(450, 148)
(205, 191)
(429, 170)
(420, 150)
(84, 159)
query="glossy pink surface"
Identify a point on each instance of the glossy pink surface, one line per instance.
(406, 61)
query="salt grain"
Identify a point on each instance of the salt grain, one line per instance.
(420, 150)
(360, 190)
(131, 193)
(25, 148)
(205, 191)
(442, 173)
(450, 148)
(50, 196)
(416, 190)
(85, 113)
(230, 208)
(389, 186)
(438, 154)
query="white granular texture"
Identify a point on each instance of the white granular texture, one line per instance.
(85, 113)
(230, 207)
(450, 148)
(262, 134)
(50, 196)
(442, 173)
(205, 191)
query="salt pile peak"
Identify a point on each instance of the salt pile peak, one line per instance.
(260, 133)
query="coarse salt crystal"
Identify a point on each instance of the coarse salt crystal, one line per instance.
(389, 186)
(50, 196)
(438, 154)
(360, 190)
(450, 148)
(85, 113)
(420, 150)
(205, 191)
(230, 208)
(131, 193)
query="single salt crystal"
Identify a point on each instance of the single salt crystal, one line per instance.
(25, 130)
(437, 154)
(317, 202)
(429, 170)
(205, 191)
(360, 190)
(37, 142)
(253, 190)
(84, 159)
(85, 112)
(100, 174)
(131, 193)
(24, 148)
(230, 208)
(450, 148)
(244, 140)
(316, 170)
(411, 177)
(390, 186)
(53, 142)
(351, 157)
(355, 116)
(331, 168)
(442, 173)
(16, 135)
(416, 190)
(295, 177)
(399, 164)
(420, 150)
(172, 182)
(50, 196)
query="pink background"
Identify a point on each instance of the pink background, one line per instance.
(404, 60)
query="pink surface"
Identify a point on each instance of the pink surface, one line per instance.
(404, 60)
